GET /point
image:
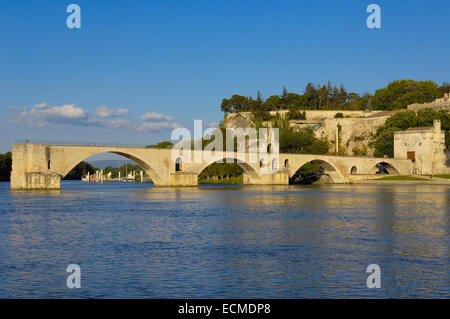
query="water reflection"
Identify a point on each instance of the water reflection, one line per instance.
(134, 240)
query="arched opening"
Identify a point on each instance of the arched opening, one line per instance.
(316, 171)
(286, 163)
(383, 168)
(222, 172)
(106, 166)
(354, 170)
(48, 164)
(275, 165)
(261, 163)
(269, 148)
(227, 171)
(178, 165)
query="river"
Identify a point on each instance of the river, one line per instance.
(133, 240)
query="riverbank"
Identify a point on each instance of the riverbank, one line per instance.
(233, 180)
(405, 180)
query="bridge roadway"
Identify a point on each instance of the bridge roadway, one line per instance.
(42, 166)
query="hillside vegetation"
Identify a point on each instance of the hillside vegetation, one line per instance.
(396, 95)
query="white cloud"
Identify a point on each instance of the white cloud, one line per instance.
(41, 115)
(157, 126)
(122, 124)
(104, 111)
(153, 116)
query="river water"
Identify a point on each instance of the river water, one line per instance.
(136, 241)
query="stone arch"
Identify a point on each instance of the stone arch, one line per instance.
(384, 166)
(247, 168)
(353, 170)
(71, 162)
(329, 169)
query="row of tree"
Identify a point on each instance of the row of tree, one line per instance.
(5, 166)
(396, 95)
(383, 140)
(221, 171)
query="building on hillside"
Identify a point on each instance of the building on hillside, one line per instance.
(424, 146)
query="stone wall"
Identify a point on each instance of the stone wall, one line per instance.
(428, 147)
(438, 104)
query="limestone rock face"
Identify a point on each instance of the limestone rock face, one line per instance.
(236, 120)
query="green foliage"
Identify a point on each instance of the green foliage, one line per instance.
(401, 120)
(399, 94)
(165, 144)
(79, 171)
(301, 142)
(124, 170)
(338, 115)
(230, 180)
(445, 88)
(296, 115)
(5, 166)
(396, 95)
(399, 178)
(384, 142)
(307, 174)
(262, 116)
(221, 171)
(359, 152)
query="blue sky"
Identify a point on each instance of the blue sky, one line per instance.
(136, 69)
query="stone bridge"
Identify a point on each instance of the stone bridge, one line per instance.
(41, 166)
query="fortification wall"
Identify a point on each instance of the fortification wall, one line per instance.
(438, 104)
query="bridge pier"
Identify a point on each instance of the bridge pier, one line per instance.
(34, 181)
(279, 178)
(183, 179)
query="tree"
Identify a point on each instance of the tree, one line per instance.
(445, 88)
(80, 170)
(5, 166)
(384, 142)
(307, 174)
(284, 98)
(301, 142)
(259, 98)
(401, 93)
(272, 103)
(396, 95)
(164, 144)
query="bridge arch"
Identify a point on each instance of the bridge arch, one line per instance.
(246, 167)
(385, 167)
(70, 161)
(329, 169)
